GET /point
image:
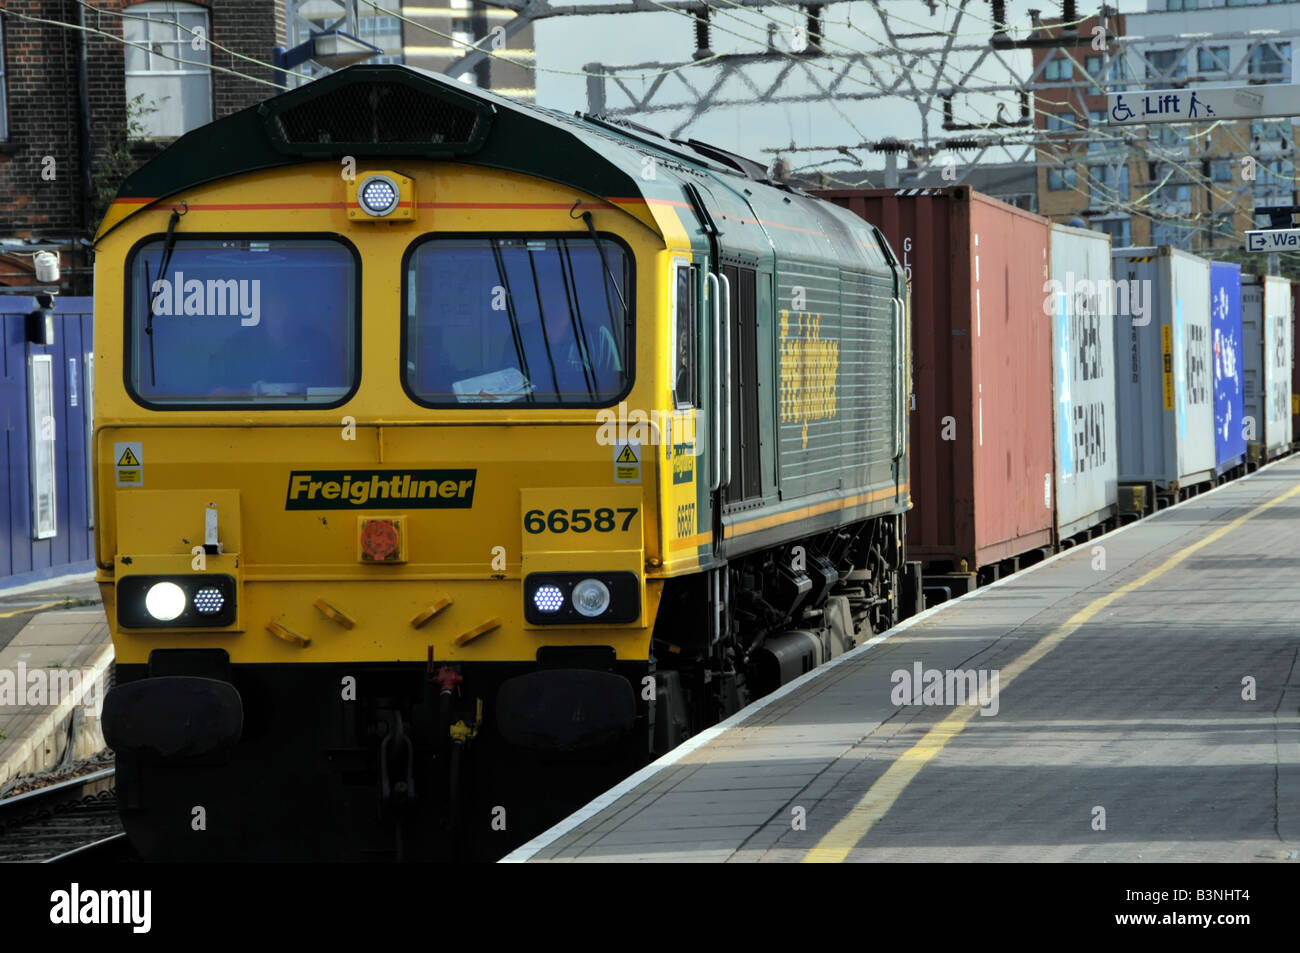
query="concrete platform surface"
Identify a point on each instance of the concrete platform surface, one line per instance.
(53, 675)
(1146, 701)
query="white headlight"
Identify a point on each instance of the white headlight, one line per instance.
(165, 601)
(591, 597)
(378, 195)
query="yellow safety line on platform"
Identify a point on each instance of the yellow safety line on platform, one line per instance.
(881, 796)
(43, 605)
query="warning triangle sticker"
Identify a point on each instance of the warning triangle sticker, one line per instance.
(128, 459)
(627, 456)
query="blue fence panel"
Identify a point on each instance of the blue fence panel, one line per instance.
(22, 557)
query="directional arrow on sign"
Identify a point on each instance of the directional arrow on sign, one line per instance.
(1274, 239)
(1202, 104)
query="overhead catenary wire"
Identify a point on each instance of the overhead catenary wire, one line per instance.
(1114, 200)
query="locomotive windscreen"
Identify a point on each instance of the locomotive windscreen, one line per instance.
(242, 321)
(531, 320)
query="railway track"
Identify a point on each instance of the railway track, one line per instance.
(75, 819)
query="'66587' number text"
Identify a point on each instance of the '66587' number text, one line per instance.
(583, 520)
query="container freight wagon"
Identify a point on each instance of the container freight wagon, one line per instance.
(1226, 343)
(981, 428)
(1163, 373)
(1080, 302)
(1295, 371)
(1266, 333)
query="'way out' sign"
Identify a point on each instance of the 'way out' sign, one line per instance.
(1274, 239)
(1203, 104)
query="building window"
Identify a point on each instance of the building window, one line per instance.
(1270, 130)
(1166, 64)
(384, 32)
(1221, 226)
(1168, 138)
(4, 103)
(1058, 69)
(1212, 59)
(1175, 196)
(1094, 67)
(1220, 170)
(1119, 230)
(1182, 5)
(1060, 179)
(1171, 233)
(1024, 200)
(1114, 179)
(1059, 122)
(1271, 63)
(167, 66)
(1274, 182)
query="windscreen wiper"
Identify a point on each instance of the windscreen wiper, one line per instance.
(609, 275)
(541, 314)
(570, 282)
(514, 321)
(169, 245)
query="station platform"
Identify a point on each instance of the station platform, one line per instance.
(55, 656)
(1148, 684)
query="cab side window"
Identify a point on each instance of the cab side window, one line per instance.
(685, 389)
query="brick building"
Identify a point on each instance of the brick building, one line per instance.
(80, 107)
(1178, 184)
(1083, 174)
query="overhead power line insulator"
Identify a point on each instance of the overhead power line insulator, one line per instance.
(814, 27)
(703, 48)
(999, 16)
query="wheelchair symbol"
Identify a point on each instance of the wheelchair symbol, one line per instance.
(1121, 112)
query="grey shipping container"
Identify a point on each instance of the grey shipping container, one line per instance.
(1267, 341)
(1164, 395)
(1083, 379)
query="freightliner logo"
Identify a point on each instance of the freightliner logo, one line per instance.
(380, 489)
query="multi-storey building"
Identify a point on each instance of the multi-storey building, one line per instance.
(1082, 171)
(1193, 185)
(439, 32)
(431, 35)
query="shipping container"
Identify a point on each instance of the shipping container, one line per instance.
(1162, 359)
(1083, 376)
(981, 428)
(1225, 324)
(1295, 365)
(1266, 336)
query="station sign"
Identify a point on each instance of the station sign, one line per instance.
(1273, 239)
(1202, 104)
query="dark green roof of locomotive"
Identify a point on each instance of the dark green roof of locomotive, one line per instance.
(389, 111)
(595, 157)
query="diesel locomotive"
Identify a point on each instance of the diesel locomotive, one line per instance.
(465, 455)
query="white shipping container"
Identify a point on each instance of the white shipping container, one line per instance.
(1267, 343)
(1164, 390)
(1083, 379)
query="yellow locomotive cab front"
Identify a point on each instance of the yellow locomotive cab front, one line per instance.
(446, 479)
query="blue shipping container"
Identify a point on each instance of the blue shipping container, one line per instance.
(1225, 321)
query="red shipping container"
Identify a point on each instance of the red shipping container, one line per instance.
(981, 431)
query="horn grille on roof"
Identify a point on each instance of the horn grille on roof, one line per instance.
(379, 117)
